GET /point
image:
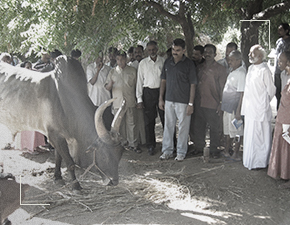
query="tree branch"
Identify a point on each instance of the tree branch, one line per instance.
(241, 12)
(272, 11)
(181, 9)
(190, 24)
(161, 10)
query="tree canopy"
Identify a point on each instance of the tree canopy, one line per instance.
(29, 26)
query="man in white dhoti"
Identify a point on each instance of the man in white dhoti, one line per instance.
(259, 90)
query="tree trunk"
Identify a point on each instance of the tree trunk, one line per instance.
(183, 18)
(188, 37)
(188, 30)
(250, 37)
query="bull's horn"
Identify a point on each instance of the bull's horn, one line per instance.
(118, 118)
(99, 124)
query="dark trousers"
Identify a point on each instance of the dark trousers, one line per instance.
(150, 101)
(202, 117)
(277, 82)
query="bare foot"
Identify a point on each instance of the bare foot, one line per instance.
(225, 154)
(285, 185)
(236, 157)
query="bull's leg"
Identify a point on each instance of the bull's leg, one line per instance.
(61, 147)
(57, 171)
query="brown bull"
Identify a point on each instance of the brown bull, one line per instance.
(57, 105)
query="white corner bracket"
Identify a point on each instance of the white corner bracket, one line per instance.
(262, 21)
(20, 196)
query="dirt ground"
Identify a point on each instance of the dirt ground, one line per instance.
(150, 192)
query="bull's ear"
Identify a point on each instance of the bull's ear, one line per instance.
(99, 123)
(115, 126)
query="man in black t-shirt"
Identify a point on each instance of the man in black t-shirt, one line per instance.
(178, 78)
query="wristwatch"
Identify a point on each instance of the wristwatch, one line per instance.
(190, 104)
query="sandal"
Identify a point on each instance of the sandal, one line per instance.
(136, 149)
(225, 156)
(233, 159)
(285, 185)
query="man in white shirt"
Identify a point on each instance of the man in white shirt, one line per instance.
(259, 90)
(97, 73)
(232, 101)
(138, 56)
(147, 92)
(112, 57)
(225, 61)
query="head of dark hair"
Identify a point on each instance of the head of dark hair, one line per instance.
(232, 45)
(5, 56)
(23, 64)
(121, 53)
(179, 42)
(237, 54)
(55, 53)
(140, 46)
(285, 27)
(113, 50)
(152, 43)
(169, 52)
(76, 53)
(131, 50)
(210, 46)
(199, 48)
(287, 54)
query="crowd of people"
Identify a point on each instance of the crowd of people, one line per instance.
(193, 95)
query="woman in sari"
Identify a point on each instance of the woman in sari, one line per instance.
(279, 165)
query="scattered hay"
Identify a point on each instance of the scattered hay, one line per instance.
(130, 194)
(140, 190)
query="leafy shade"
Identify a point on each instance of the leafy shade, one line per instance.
(34, 26)
(30, 26)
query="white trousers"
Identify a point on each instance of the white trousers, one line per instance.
(257, 143)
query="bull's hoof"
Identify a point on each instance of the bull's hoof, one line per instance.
(77, 192)
(108, 182)
(59, 182)
(76, 186)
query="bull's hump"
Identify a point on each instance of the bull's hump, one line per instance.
(21, 74)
